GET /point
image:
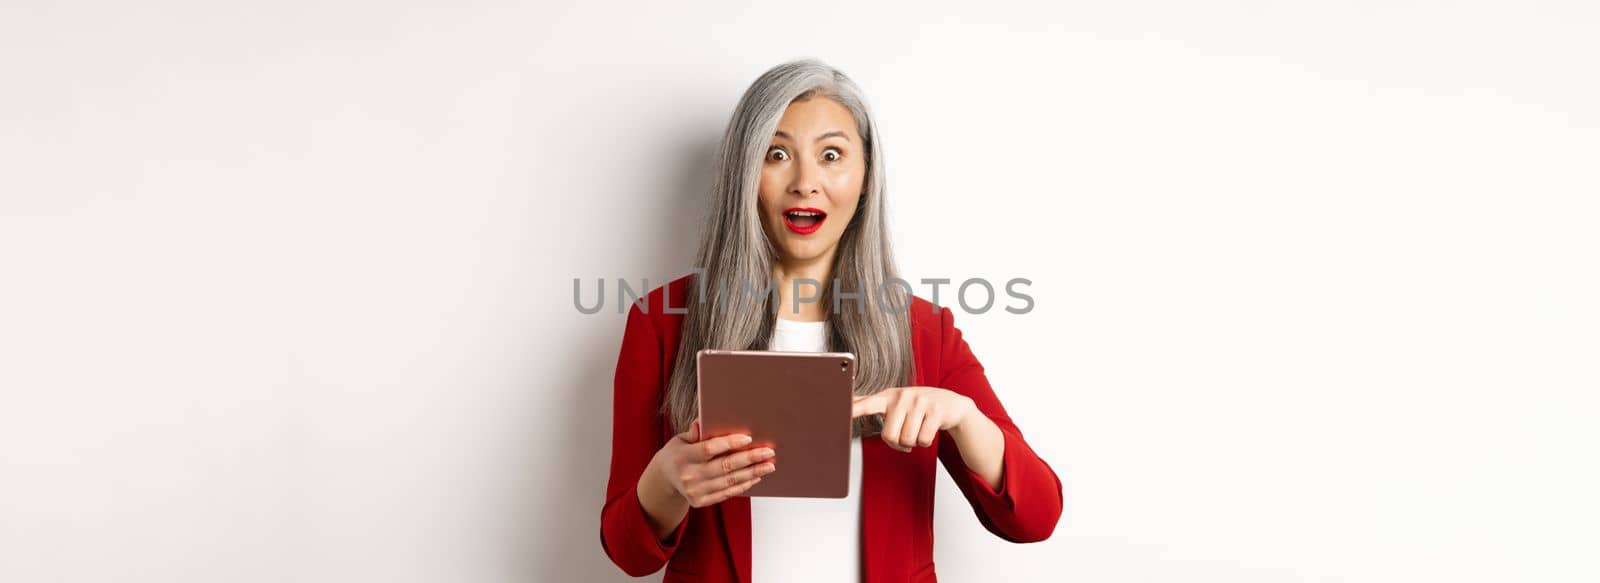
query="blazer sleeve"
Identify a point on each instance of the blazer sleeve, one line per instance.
(1027, 505)
(636, 431)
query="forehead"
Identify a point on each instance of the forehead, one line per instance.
(817, 115)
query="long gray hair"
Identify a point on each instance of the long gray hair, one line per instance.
(735, 254)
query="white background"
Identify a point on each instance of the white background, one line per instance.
(286, 288)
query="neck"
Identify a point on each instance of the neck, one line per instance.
(788, 271)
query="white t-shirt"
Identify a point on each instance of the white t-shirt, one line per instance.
(807, 539)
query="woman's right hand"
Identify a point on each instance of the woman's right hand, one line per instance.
(709, 471)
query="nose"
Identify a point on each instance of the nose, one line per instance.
(803, 183)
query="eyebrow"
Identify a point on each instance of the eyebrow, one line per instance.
(830, 134)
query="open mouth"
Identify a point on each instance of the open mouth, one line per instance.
(804, 221)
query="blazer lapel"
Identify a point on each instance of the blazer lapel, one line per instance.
(886, 478)
(876, 490)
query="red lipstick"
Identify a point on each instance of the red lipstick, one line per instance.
(804, 220)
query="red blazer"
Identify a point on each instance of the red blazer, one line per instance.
(713, 543)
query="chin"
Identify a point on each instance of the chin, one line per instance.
(802, 254)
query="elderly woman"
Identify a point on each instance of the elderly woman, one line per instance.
(799, 196)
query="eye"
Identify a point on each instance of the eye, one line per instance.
(832, 154)
(777, 154)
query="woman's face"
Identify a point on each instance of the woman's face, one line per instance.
(811, 179)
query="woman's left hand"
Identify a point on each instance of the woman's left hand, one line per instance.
(913, 415)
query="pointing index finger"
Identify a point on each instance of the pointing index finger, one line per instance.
(869, 405)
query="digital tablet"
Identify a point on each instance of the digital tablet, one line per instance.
(797, 403)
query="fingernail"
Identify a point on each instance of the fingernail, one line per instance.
(766, 453)
(743, 440)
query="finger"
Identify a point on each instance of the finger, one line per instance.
(692, 434)
(894, 423)
(930, 427)
(869, 405)
(915, 412)
(710, 448)
(731, 462)
(722, 495)
(893, 419)
(732, 479)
